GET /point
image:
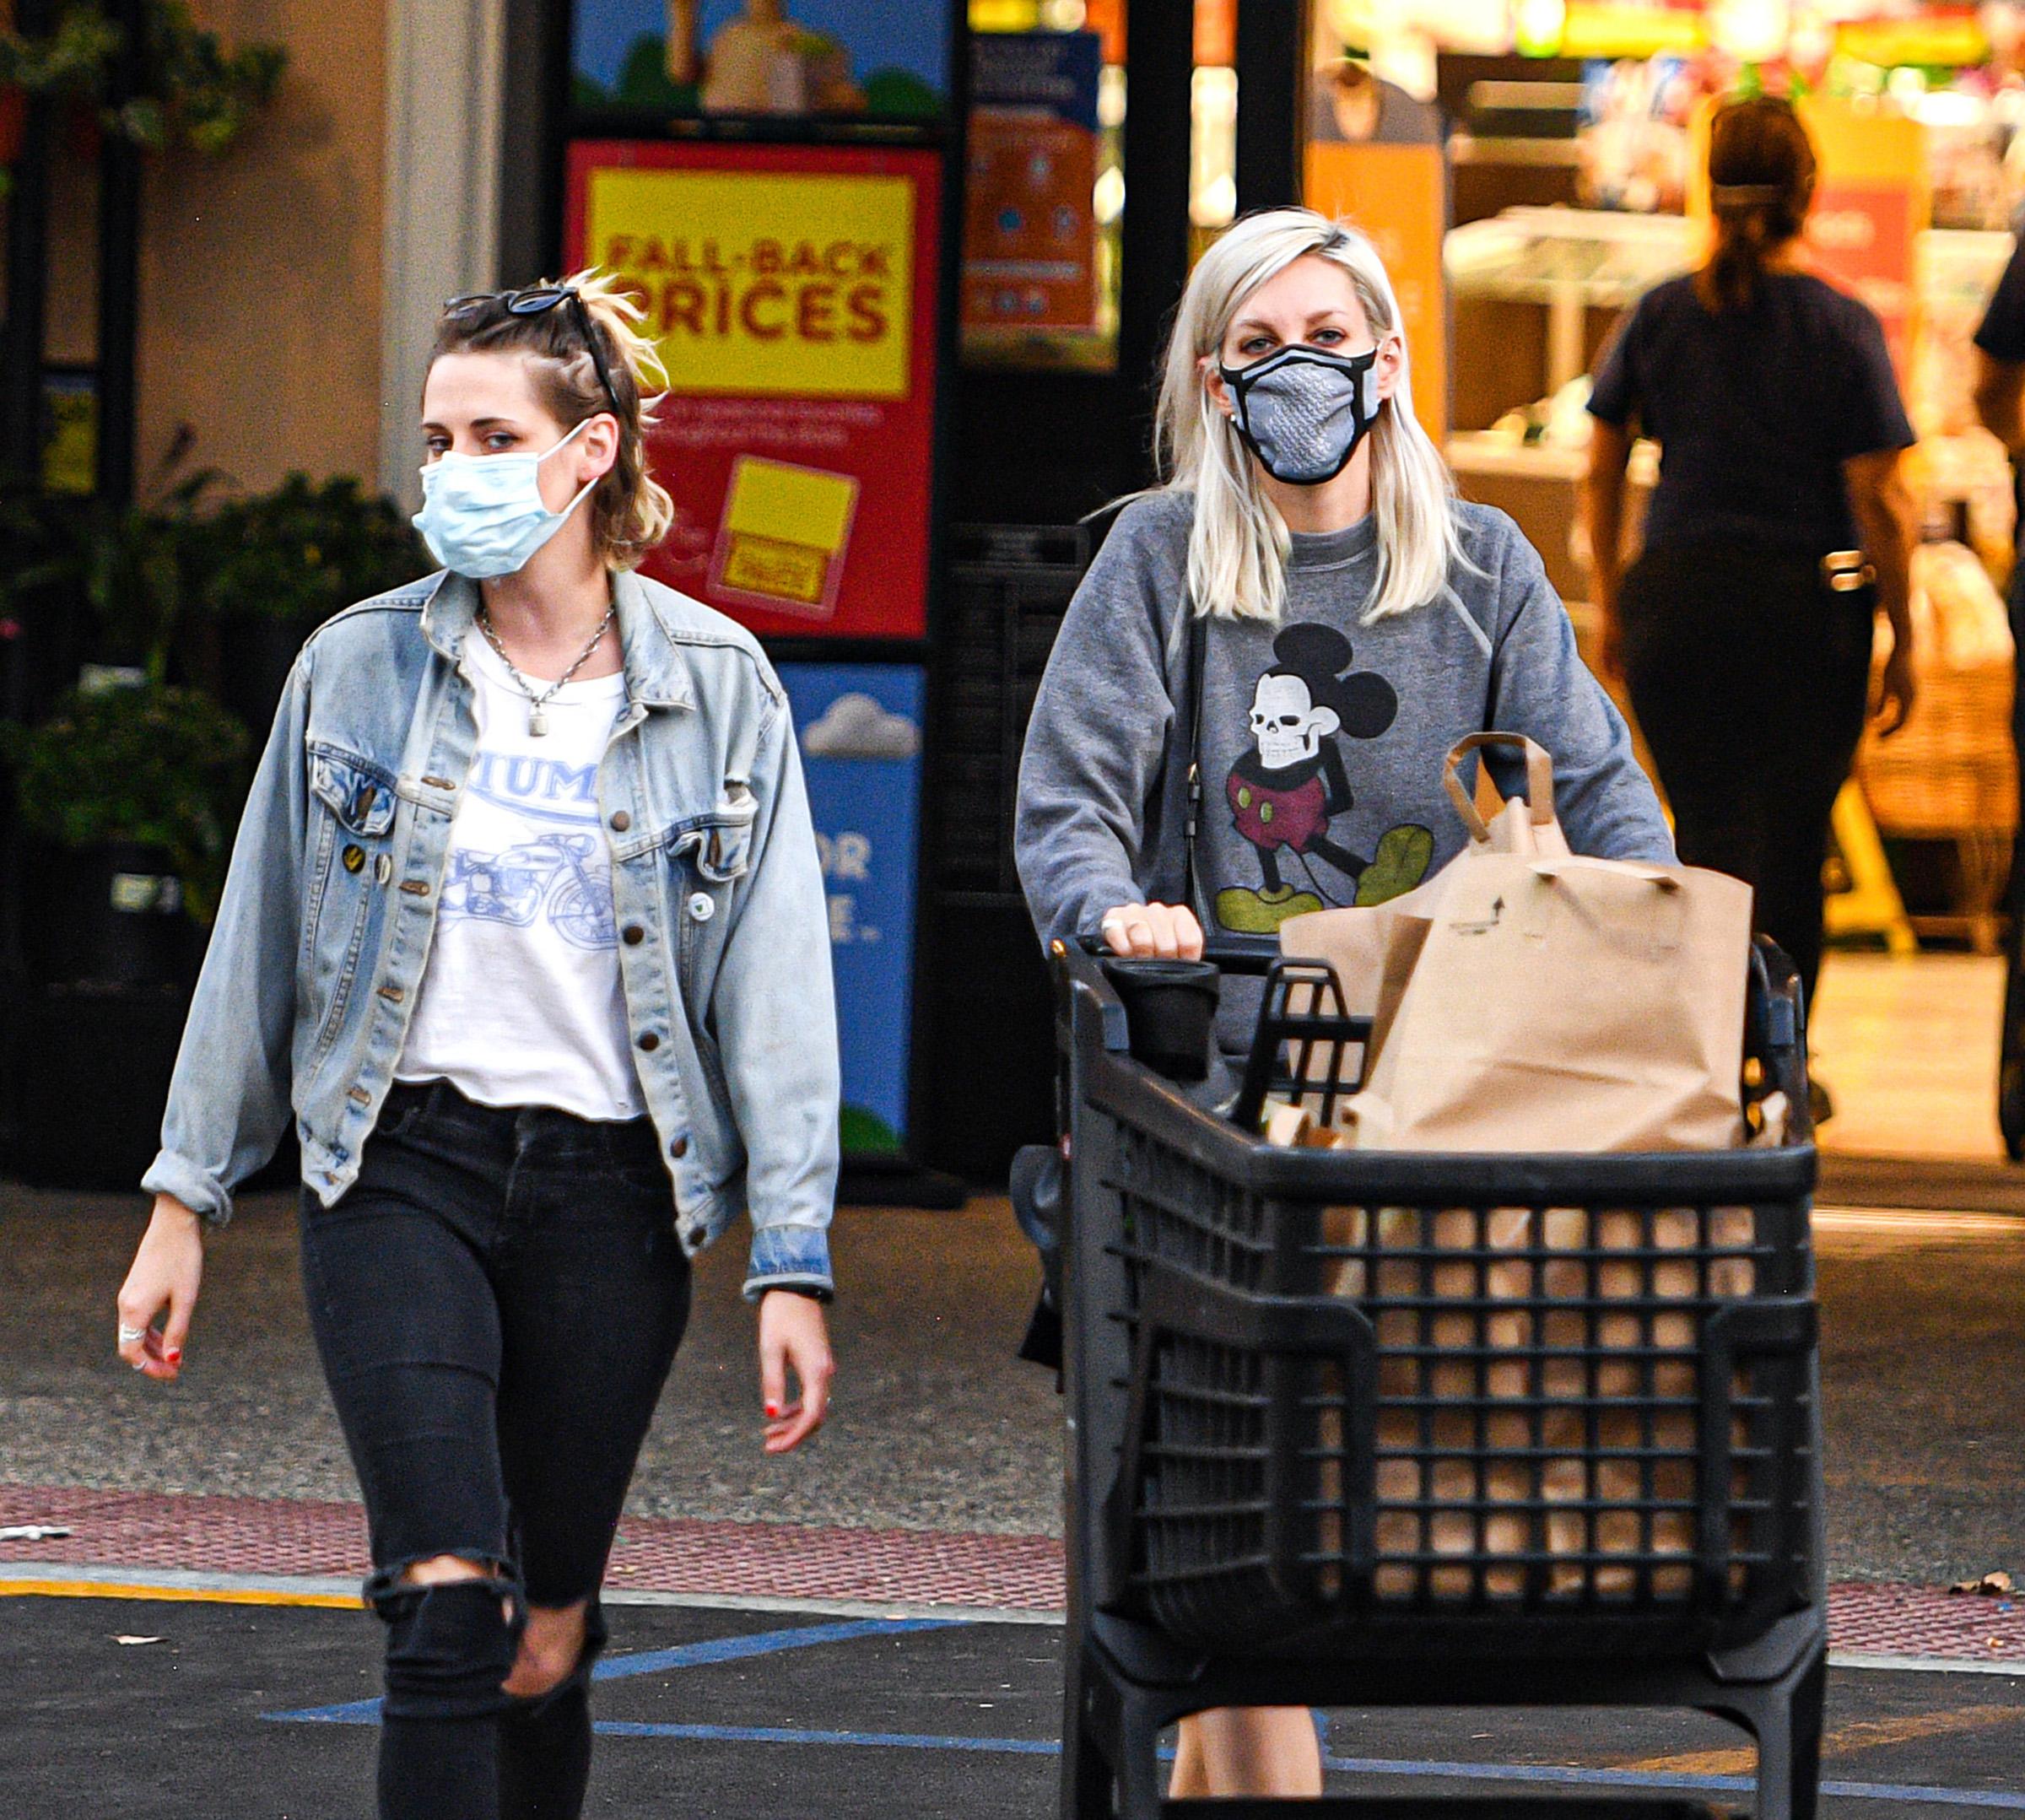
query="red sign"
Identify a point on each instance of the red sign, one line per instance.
(1862, 236)
(793, 292)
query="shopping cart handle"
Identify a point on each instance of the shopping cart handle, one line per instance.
(1226, 953)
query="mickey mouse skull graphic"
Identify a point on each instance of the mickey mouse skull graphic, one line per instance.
(1286, 726)
(1284, 791)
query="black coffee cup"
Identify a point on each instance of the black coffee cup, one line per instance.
(1170, 1007)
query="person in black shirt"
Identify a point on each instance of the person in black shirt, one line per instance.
(1744, 629)
(2000, 403)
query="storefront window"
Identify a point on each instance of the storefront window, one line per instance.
(1045, 188)
(1213, 162)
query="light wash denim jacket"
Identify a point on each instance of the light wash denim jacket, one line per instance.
(324, 930)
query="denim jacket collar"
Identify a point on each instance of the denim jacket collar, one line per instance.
(655, 675)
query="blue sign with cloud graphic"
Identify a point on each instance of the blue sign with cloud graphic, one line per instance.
(859, 729)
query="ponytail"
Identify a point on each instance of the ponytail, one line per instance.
(1761, 179)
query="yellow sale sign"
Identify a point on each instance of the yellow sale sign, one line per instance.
(794, 292)
(765, 284)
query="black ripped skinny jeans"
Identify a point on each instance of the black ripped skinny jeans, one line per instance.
(497, 1301)
(1750, 679)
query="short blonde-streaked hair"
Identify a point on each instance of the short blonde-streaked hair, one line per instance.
(1238, 544)
(630, 511)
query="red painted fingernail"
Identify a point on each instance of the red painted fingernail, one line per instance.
(173, 1355)
(772, 1409)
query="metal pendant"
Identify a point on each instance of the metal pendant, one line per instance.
(537, 722)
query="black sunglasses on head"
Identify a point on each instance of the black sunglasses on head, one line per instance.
(538, 300)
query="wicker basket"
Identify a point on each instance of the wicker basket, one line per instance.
(1949, 773)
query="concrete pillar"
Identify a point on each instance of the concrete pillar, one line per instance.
(445, 78)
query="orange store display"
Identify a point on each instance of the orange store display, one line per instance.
(1399, 196)
(793, 291)
(1029, 225)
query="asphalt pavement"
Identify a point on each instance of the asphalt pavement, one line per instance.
(135, 1707)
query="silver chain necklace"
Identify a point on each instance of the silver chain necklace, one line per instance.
(537, 705)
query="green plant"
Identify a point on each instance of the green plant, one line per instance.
(308, 548)
(138, 570)
(71, 60)
(155, 766)
(194, 89)
(175, 562)
(159, 585)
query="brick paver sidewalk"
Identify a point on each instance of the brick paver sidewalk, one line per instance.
(229, 1535)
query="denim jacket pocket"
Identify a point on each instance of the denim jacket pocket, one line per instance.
(354, 789)
(351, 863)
(720, 846)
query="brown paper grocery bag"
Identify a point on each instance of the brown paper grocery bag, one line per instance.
(1534, 1000)
(1373, 950)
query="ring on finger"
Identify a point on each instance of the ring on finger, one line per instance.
(129, 1335)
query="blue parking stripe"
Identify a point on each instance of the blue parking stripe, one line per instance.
(806, 1636)
(2001, 1799)
(901, 1741)
(366, 1712)
(653, 1661)
(350, 1713)
(765, 1643)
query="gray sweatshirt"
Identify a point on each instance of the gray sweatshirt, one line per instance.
(1322, 738)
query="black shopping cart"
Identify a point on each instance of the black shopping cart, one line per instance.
(1406, 1430)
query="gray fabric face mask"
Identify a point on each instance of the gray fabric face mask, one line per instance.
(1304, 410)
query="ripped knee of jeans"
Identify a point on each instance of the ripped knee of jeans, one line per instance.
(596, 1634)
(449, 1644)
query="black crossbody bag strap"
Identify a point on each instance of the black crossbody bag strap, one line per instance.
(1198, 657)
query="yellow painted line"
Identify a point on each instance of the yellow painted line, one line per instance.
(1867, 1734)
(107, 1588)
(1862, 1735)
(1733, 1763)
(1916, 1222)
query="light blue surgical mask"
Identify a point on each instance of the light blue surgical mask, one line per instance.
(483, 515)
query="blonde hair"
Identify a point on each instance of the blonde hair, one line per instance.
(1237, 543)
(630, 511)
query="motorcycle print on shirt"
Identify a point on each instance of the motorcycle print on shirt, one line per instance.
(1285, 791)
(547, 879)
(552, 877)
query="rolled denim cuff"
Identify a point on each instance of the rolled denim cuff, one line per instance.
(789, 1257)
(205, 1194)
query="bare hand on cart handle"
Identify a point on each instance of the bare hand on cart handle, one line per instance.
(1148, 931)
(167, 1271)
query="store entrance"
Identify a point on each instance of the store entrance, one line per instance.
(1048, 424)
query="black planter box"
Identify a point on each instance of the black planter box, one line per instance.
(107, 917)
(87, 1073)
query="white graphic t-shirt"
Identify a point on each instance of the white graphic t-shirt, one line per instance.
(521, 1003)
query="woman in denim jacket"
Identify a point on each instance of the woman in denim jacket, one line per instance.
(526, 927)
